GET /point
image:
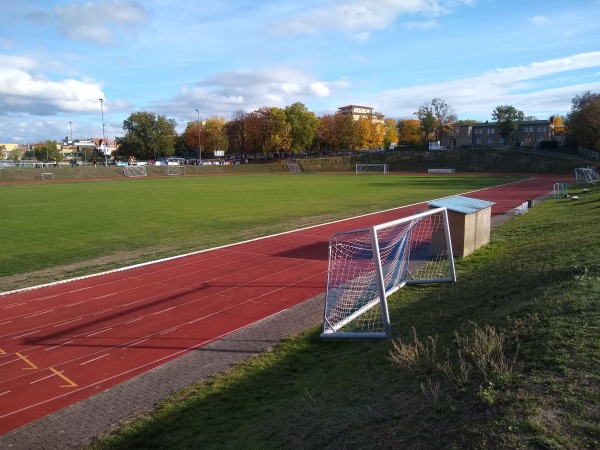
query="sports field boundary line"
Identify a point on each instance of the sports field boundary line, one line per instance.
(198, 252)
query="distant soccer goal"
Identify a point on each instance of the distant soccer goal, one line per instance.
(586, 175)
(174, 170)
(135, 171)
(371, 168)
(47, 176)
(561, 190)
(366, 266)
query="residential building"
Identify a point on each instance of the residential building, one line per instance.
(361, 111)
(530, 133)
(7, 149)
(84, 149)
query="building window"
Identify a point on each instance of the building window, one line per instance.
(501, 140)
(478, 141)
(490, 141)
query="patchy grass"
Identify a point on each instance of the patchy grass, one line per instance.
(506, 358)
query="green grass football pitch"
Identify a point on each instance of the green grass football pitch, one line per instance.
(59, 223)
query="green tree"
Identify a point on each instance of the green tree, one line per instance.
(48, 151)
(181, 146)
(583, 122)
(508, 118)
(15, 155)
(427, 124)
(147, 136)
(303, 127)
(435, 117)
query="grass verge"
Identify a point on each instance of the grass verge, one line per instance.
(505, 358)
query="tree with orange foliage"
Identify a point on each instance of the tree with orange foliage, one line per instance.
(409, 132)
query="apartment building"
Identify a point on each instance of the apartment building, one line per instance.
(361, 111)
(7, 149)
(529, 133)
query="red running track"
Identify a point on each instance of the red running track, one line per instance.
(62, 343)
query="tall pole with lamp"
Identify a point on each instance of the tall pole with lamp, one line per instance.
(103, 138)
(71, 127)
(199, 145)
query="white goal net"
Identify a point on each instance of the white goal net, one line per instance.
(586, 175)
(366, 266)
(371, 168)
(135, 171)
(175, 170)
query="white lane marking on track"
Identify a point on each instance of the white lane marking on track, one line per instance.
(27, 334)
(93, 359)
(57, 346)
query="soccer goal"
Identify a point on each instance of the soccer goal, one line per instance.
(367, 265)
(135, 171)
(174, 170)
(586, 175)
(561, 190)
(371, 168)
(47, 176)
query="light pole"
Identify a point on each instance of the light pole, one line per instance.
(103, 138)
(199, 146)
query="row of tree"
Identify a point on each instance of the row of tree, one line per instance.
(268, 130)
(295, 130)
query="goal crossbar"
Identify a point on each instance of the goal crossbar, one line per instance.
(174, 170)
(368, 265)
(371, 168)
(135, 171)
(586, 175)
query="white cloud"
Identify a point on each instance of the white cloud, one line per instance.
(100, 22)
(265, 86)
(319, 89)
(364, 15)
(23, 89)
(478, 96)
(539, 20)
(247, 89)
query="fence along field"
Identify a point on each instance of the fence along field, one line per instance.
(54, 224)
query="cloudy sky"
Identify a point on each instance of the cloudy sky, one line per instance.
(58, 58)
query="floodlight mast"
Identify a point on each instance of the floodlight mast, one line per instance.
(103, 138)
(199, 146)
